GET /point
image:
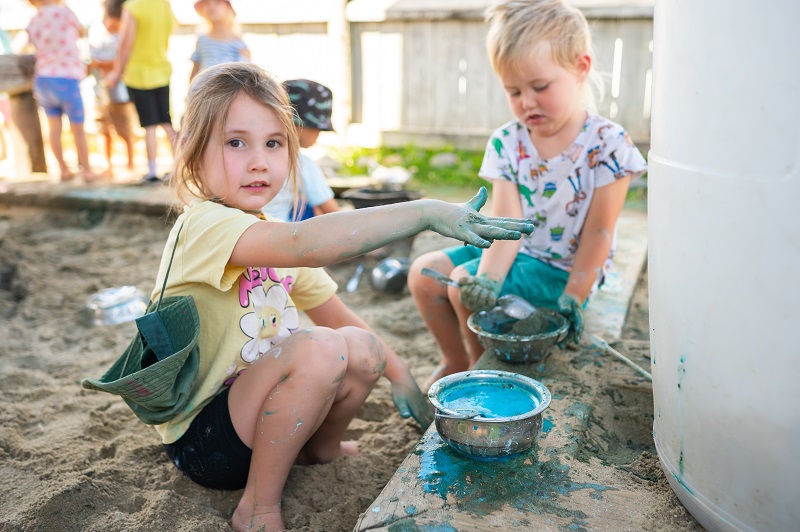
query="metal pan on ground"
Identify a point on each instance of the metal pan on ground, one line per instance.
(390, 274)
(488, 414)
(519, 341)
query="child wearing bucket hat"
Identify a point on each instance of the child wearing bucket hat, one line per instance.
(222, 41)
(313, 105)
(268, 393)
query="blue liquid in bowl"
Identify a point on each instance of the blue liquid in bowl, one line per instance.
(489, 400)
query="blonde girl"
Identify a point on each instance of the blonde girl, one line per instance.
(269, 394)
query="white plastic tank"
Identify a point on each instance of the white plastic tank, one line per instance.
(724, 258)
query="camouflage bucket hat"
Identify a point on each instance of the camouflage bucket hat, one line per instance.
(313, 103)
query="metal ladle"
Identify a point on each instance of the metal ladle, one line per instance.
(438, 276)
(515, 306)
(512, 305)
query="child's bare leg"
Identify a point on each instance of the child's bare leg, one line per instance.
(171, 135)
(438, 313)
(82, 146)
(151, 147)
(129, 142)
(109, 148)
(365, 364)
(470, 339)
(278, 405)
(54, 124)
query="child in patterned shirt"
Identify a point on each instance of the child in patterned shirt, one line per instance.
(54, 31)
(558, 163)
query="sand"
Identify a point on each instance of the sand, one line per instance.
(72, 459)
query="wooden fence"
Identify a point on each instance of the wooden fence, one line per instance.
(416, 71)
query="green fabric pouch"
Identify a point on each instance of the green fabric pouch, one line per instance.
(156, 372)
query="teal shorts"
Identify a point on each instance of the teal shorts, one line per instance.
(529, 278)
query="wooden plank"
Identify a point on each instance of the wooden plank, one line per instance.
(606, 312)
(436, 484)
(25, 121)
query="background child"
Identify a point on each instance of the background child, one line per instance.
(54, 31)
(271, 394)
(222, 42)
(143, 65)
(313, 103)
(114, 108)
(557, 163)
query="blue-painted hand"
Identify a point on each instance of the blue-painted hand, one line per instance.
(571, 308)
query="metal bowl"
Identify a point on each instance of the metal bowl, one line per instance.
(519, 341)
(372, 197)
(489, 414)
(117, 304)
(390, 274)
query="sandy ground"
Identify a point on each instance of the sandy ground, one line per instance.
(77, 460)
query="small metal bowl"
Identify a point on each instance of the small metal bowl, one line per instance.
(488, 414)
(390, 275)
(114, 305)
(519, 341)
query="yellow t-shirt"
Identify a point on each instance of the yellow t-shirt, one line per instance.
(148, 66)
(243, 311)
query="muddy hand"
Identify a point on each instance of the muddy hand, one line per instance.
(463, 222)
(478, 293)
(571, 308)
(410, 402)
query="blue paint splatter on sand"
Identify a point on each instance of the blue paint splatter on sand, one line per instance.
(527, 484)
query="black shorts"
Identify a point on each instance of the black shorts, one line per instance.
(152, 105)
(210, 453)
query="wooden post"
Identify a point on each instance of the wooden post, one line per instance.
(339, 35)
(25, 117)
(16, 78)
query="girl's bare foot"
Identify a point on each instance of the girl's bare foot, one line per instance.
(440, 371)
(89, 176)
(317, 456)
(107, 173)
(67, 174)
(250, 519)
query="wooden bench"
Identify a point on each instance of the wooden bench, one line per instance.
(547, 488)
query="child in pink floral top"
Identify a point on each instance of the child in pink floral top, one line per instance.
(54, 30)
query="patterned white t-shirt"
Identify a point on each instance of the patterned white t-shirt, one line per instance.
(559, 190)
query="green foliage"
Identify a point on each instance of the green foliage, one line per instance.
(462, 174)
(464, 171)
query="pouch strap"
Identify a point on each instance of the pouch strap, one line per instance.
(169, 266)
(150, 326)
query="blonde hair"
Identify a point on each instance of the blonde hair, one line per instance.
(516, 27)
(208, 102)
(231, 23)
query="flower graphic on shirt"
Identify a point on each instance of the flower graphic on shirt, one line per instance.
(270, 323)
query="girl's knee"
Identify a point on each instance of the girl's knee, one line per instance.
(420, 284)
(366, 356)
(317, 351)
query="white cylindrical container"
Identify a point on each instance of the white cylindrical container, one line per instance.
(724, 258)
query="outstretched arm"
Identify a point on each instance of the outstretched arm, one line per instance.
(407, 397)
(338, 236)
